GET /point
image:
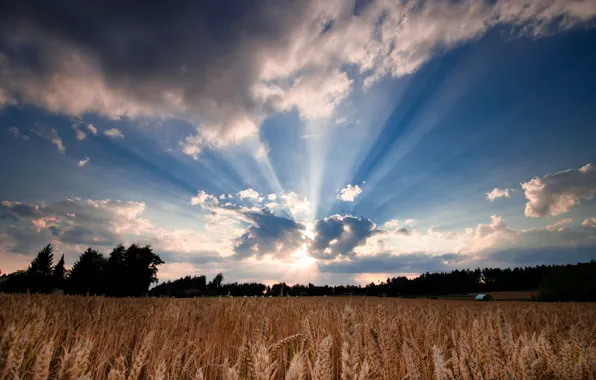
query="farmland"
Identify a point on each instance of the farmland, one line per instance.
(74, 337)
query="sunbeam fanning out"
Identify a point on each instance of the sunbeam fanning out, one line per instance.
(300, 141)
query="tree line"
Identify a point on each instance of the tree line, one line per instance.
(131, 272)
(554, 282)
(125, 272)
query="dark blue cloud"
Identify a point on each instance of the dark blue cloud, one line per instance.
(270, 234)
(338, 236)
(88, 236)
(18, 210)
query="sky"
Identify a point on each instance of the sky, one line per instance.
(331, 142)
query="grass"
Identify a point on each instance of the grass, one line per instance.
(68, 337)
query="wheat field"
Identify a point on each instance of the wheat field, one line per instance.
(69, 337)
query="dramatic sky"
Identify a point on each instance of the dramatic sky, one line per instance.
(306, 141)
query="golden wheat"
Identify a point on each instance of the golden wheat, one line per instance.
(68, 337)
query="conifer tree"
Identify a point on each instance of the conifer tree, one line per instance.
(39, 272)
(87, 274)
(59, 274)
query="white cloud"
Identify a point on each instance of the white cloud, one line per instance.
(51, 135)
(92, 129)
(315, 96)
(393, 223)
(102, 224)
(80, 135)
(295, 204)
(236, 236)
(234, 83)
(271, 197)
(557, 193)
(203, 198)
(498, 193)
(114, 133)
(191, 147)
(559, 224)
(349, 193)
(410, 222)
(84, 162)
(248, 194)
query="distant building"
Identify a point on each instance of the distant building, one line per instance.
(484, 297)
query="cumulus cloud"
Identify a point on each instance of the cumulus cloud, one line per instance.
(72, 225)
(349, 193)
(248, 194)
(269, 234)
(498, 193)
(261, 232)
(51, 135)
(92, 129)
(203, 198)
(84, 162)
(340, 244)
(291, 55)
(80, 135)
(296, 204)
(339, 235)
(114, 133)
(557, 193)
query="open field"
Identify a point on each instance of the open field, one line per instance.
(68, 337)
(498, 296)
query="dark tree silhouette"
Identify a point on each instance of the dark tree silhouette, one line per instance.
(17, 282)
(131, 271)
(40, 271)
(59, 274)
(115, 275)
(141, 269)
(214, 286)
(184, 287)
(86, 274)
(570, 283)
